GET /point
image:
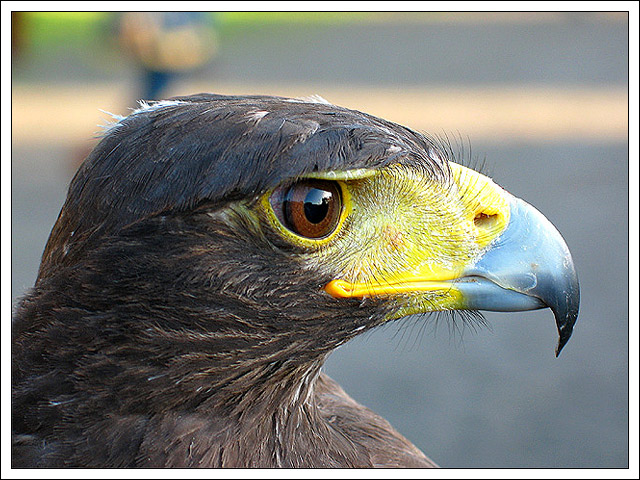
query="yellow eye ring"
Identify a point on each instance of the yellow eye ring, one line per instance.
(309, 212)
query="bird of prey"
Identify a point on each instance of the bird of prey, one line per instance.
(214, 250)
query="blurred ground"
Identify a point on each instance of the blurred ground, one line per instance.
(542, 97)
(499, 114)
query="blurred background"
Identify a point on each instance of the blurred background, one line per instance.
(541, 97)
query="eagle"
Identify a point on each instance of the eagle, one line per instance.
(214, 250)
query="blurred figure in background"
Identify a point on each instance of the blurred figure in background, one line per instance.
(164, 46)
(167, 45)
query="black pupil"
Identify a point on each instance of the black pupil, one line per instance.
(316, 205)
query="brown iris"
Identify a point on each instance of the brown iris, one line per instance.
(309, 208)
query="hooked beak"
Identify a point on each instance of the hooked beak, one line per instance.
(527, 267)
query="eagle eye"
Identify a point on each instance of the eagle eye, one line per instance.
(310, 208)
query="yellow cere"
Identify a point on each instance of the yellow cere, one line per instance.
(487, 203)
(405, 235)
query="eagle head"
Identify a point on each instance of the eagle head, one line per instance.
(213, 250)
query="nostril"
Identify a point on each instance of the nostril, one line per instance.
(486, 221)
